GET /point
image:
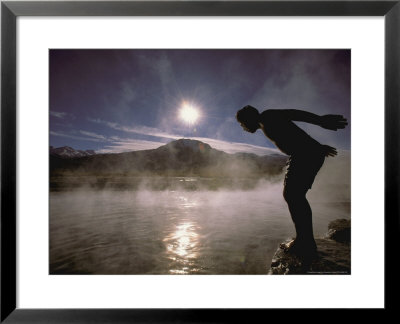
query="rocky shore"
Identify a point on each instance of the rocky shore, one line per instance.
(334, 254)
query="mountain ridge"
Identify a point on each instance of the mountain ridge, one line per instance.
(183, 157)
(69, 152)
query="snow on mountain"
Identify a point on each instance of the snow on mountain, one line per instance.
(182, 157)
(67, 152)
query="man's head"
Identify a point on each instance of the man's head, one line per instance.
(248, 117)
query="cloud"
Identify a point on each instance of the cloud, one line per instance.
(75, 137)
(90, 134)
(127, 145)
(128, 92)
(120, 145)
(140, 130)
(234, 147)
(57, 114)
(309, 80)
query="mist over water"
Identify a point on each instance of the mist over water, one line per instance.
(180, 231)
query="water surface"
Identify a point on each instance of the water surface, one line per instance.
(174, 231)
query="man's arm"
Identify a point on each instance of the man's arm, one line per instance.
(332, 122)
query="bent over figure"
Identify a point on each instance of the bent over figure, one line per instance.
(306, 156)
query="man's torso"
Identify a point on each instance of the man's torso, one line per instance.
(286, 135)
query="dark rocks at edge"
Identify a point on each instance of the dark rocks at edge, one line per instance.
(334, 253)
(339, 230)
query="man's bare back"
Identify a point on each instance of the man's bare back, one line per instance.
(279, 127)
(285, 134)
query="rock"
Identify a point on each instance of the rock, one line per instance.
(333, 254)
(339, 230)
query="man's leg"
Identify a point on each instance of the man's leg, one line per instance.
(301, 214)
(299, 178)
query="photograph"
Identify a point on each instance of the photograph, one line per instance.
(199, 161)
(175, 161)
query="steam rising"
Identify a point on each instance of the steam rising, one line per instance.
(188, 226)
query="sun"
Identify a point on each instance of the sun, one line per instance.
(189, 114)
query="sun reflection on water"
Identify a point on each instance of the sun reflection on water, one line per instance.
(182, 247)
(186, 203)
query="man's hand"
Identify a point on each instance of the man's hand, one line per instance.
(329, 150)
(333, 122)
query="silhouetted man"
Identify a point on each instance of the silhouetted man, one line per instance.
(306, 157)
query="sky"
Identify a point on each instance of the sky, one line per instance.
(124, 100)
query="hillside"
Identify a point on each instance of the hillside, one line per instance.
(182, 157)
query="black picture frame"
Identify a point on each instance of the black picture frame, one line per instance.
(10, 10)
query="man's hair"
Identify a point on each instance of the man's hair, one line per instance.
(247, 114)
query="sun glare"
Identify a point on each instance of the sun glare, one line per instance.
(189, 114)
